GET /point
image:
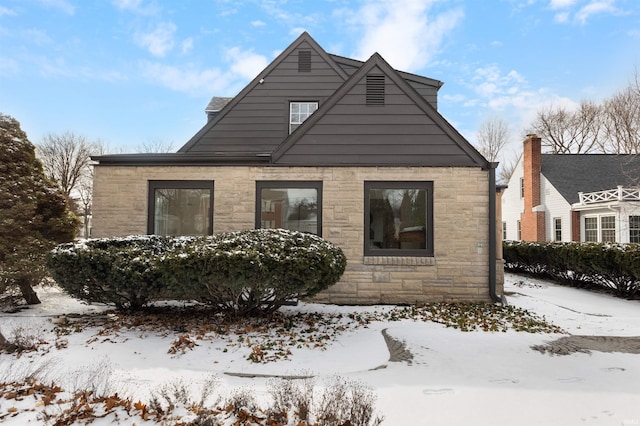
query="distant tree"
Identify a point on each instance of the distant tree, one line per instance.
(565, 131)
(65, 158)
(492, 136)
(155, 146)
(621, 120)
(507, 168)
(34, 214)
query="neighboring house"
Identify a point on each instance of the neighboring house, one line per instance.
(572, 197)
(353, 151)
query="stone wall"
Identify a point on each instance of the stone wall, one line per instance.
(458, 270)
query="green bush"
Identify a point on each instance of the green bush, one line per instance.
(126, 272)
(613, 267)
(242, 273)
(256, 271)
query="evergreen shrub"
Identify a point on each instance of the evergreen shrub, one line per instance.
(243, 273)
(610, 266)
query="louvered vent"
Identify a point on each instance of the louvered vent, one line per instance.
(304, 61)
(375, 90)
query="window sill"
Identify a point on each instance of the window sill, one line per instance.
(399, 260)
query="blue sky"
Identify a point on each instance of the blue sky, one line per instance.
(130, 72)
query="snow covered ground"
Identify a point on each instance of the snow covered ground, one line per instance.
(455, 378)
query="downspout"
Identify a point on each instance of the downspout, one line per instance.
(492, 233)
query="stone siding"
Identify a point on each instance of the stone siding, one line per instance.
(458, 270)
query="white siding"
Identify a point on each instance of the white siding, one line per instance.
(621, 211)
(555, 206)
(512, 203)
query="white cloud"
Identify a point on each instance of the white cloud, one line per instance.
(62, 5)
(507, 95)
(159, 41)
(595, 8)
(561, 4)
(570, 11)
(187, 79)
(258, 23)
(187, 45)
(407, 33)
(243, 66)
(136, 6)
(561, 17)
(8, 66)
(245, 63)
(5, 11)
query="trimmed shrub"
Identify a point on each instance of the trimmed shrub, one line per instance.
(613, 267)
(256, 271)
(242, 273)
(123, 271)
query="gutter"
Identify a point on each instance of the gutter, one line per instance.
(492, 234)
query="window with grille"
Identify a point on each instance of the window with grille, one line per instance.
(299, 112)
(591, 229)
(557, 229)
(608, 229)
(634, 229)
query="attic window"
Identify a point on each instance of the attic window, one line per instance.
(375, 89)
(304, 61)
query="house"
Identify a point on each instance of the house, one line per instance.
(572, 197)
(353, 151)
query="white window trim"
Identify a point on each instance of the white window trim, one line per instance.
(295, 124)
(598, 217)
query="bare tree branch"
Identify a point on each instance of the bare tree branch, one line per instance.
(65, 159)
(622, 120)
(155, 146)
(492, 136)
(565, 131)
(507, 168)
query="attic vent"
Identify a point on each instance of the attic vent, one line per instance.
(304, 61)
(375, 90)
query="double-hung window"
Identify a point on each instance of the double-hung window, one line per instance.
(299, 112)
(294, 205)
(180, 207)
(398, 218)
(600, 229)
(557, 229)
(634, 229)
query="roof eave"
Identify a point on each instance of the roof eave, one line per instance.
(180, 159)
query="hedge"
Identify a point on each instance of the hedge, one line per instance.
(610, 266)
(242, 273)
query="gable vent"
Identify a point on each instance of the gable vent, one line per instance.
(375, 90)
(304, 61)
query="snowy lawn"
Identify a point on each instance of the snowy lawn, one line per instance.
(444, 377)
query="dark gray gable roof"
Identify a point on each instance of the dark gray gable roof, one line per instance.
(361, 138)
(302, 39)
(217, 103)
(427, 87)
(574, 173)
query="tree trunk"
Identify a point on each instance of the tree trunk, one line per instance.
(29, 295)
(6, 346)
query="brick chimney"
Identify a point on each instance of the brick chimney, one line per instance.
(532, 219)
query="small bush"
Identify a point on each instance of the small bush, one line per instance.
(256, 271)
(123, 271)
